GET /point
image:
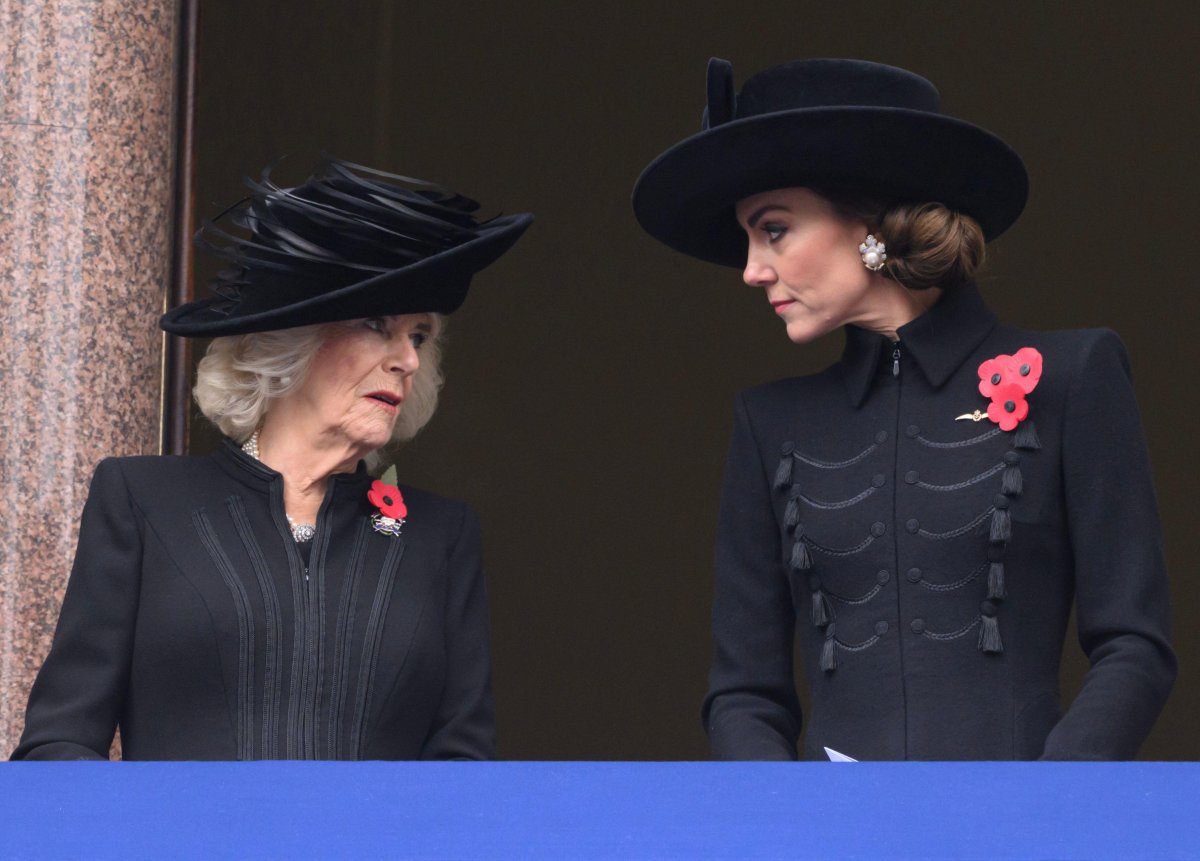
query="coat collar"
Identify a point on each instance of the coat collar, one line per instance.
(938, 341)
(258, 476)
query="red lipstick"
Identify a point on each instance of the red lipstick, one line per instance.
(389, 401)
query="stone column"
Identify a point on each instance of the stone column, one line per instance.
(86, 152)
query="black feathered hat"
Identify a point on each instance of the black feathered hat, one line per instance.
(350, 242)
(836, 125)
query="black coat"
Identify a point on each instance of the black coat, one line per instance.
(194, 620)
(929, 564)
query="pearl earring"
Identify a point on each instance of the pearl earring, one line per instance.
(284, 382)
(874, 254)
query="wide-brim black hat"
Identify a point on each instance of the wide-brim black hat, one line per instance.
(350, 242)
(847, 126)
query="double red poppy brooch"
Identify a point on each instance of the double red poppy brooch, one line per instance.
(392, 510)
(1007, 381)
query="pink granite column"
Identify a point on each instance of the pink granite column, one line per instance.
(86, 89)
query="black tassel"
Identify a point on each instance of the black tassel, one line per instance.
(1027, 437)
(989, 636)
(791, 515)
(822, 611)
(801, 558)
(783, 472)
(996, 590)
(829, 652)
(1001, 525)
(1011, 484)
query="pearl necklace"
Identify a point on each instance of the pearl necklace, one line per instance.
(300, 531)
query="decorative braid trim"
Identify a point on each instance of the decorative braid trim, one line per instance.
(830, 506)
(943, 488)
(272, 676)
(855, 601)
(953, 635)
(961, 530)
(825, 464)
(957, 584)
(857, 647)
(371, 642)
(245, 620)
(849, 551)
(975, 440)
(343, 637)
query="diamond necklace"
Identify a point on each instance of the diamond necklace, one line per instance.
(300, 531)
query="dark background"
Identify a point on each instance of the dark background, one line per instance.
(591, 373)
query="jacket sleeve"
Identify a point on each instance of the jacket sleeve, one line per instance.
(465, 724)
(751, 710)
(1120, 578)
(78, 695)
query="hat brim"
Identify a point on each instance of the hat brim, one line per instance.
(685, 197)
(435, 284)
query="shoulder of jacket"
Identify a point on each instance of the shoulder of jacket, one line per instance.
(1064, 341)
(434, 505)
(784, 390)
(149, 468)
(1072, 349)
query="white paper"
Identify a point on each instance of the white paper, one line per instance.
(834, 756)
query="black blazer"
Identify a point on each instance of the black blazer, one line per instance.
(195, 622)
(929, 564)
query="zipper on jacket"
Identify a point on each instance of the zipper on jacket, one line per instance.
(896, 535)
(314, 626)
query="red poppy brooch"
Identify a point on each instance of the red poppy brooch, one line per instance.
(392, 510)
(1007, 381)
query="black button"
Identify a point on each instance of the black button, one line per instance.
(1010, 407)
(1025, 370)
(881, 628)
(814, 582)
(877, 529)
(917, 625)
(882, 577)
(987, 608)
(878, 479)
(914, 575)
(881, 437)
(787, 448)
(996, 378)
(912, 525)
(913, 430)
(996, 553)
(911, 477)
(1000, 501)
(1011, 457)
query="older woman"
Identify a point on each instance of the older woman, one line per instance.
(898, 510)
(270, 600)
